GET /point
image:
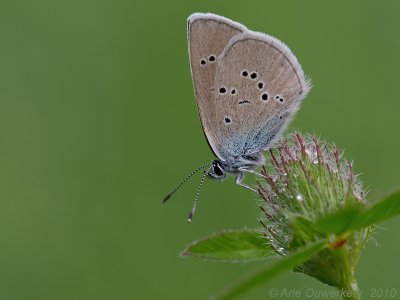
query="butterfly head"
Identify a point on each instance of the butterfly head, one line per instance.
(216, 170)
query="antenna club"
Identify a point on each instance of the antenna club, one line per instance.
(166, 198)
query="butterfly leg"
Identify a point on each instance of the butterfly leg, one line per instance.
(250, 171)
(239, 182)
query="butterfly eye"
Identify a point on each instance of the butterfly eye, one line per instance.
(217, 170)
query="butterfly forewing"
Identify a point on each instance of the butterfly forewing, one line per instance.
(208, 36)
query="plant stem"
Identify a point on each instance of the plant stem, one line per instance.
(350, 289)
(351, 292)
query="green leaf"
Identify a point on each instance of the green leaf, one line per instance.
(231, 245)
(265, 274)
(385, 209)
(338, 222)
(354, 218)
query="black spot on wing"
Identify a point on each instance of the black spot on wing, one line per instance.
(244, 102)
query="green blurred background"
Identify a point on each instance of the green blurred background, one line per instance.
(98, 122)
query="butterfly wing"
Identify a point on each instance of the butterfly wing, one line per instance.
(258, 88)
(208, 35)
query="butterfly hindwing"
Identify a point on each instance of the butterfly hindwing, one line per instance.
(259, 85)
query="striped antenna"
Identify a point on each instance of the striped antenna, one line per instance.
(183, 181)
(190, 217)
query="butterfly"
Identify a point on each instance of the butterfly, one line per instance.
(248, 86)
